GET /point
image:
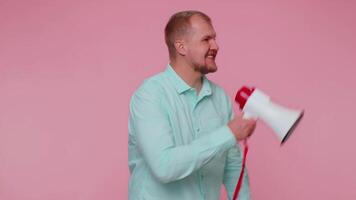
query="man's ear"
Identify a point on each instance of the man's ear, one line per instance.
(180, 47)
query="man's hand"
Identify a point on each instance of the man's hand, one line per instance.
(242, 128)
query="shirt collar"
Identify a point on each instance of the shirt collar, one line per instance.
(206, 88)
(181, 86)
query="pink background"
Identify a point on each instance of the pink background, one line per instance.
(68, 69)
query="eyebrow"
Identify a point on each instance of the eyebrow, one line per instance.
(209, 36)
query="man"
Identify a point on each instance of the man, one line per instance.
(182, 141)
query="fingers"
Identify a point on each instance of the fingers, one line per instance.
(250, 127)
(242, 128)
(253, 127)
(247, 116)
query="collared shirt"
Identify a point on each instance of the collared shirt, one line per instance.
(180, 147)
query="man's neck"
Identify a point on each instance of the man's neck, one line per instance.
(188, 74)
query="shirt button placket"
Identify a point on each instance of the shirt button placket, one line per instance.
(196, 123)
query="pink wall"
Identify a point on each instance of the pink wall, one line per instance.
(68, 68)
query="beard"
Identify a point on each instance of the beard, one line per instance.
(204, 69)
(206, 64)
(209, 66)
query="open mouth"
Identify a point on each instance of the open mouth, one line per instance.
(211, 54)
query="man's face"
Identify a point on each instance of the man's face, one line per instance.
(201, 45)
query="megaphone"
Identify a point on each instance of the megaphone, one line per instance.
(256, 104)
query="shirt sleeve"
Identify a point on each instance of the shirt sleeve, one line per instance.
(155, 141)
(233, 169)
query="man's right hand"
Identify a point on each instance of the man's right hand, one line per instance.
(242, 128)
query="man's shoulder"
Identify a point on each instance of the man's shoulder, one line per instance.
(152, 84)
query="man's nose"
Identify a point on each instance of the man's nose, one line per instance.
(214, 45)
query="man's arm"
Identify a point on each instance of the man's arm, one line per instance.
(155, 141)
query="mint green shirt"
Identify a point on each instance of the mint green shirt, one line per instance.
(180, 147)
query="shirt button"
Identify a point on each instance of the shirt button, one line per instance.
(198, 129)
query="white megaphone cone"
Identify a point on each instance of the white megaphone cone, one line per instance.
(256, 104)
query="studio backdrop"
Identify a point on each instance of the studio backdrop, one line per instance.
(68, 69)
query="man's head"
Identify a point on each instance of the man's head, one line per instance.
(190, 37)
